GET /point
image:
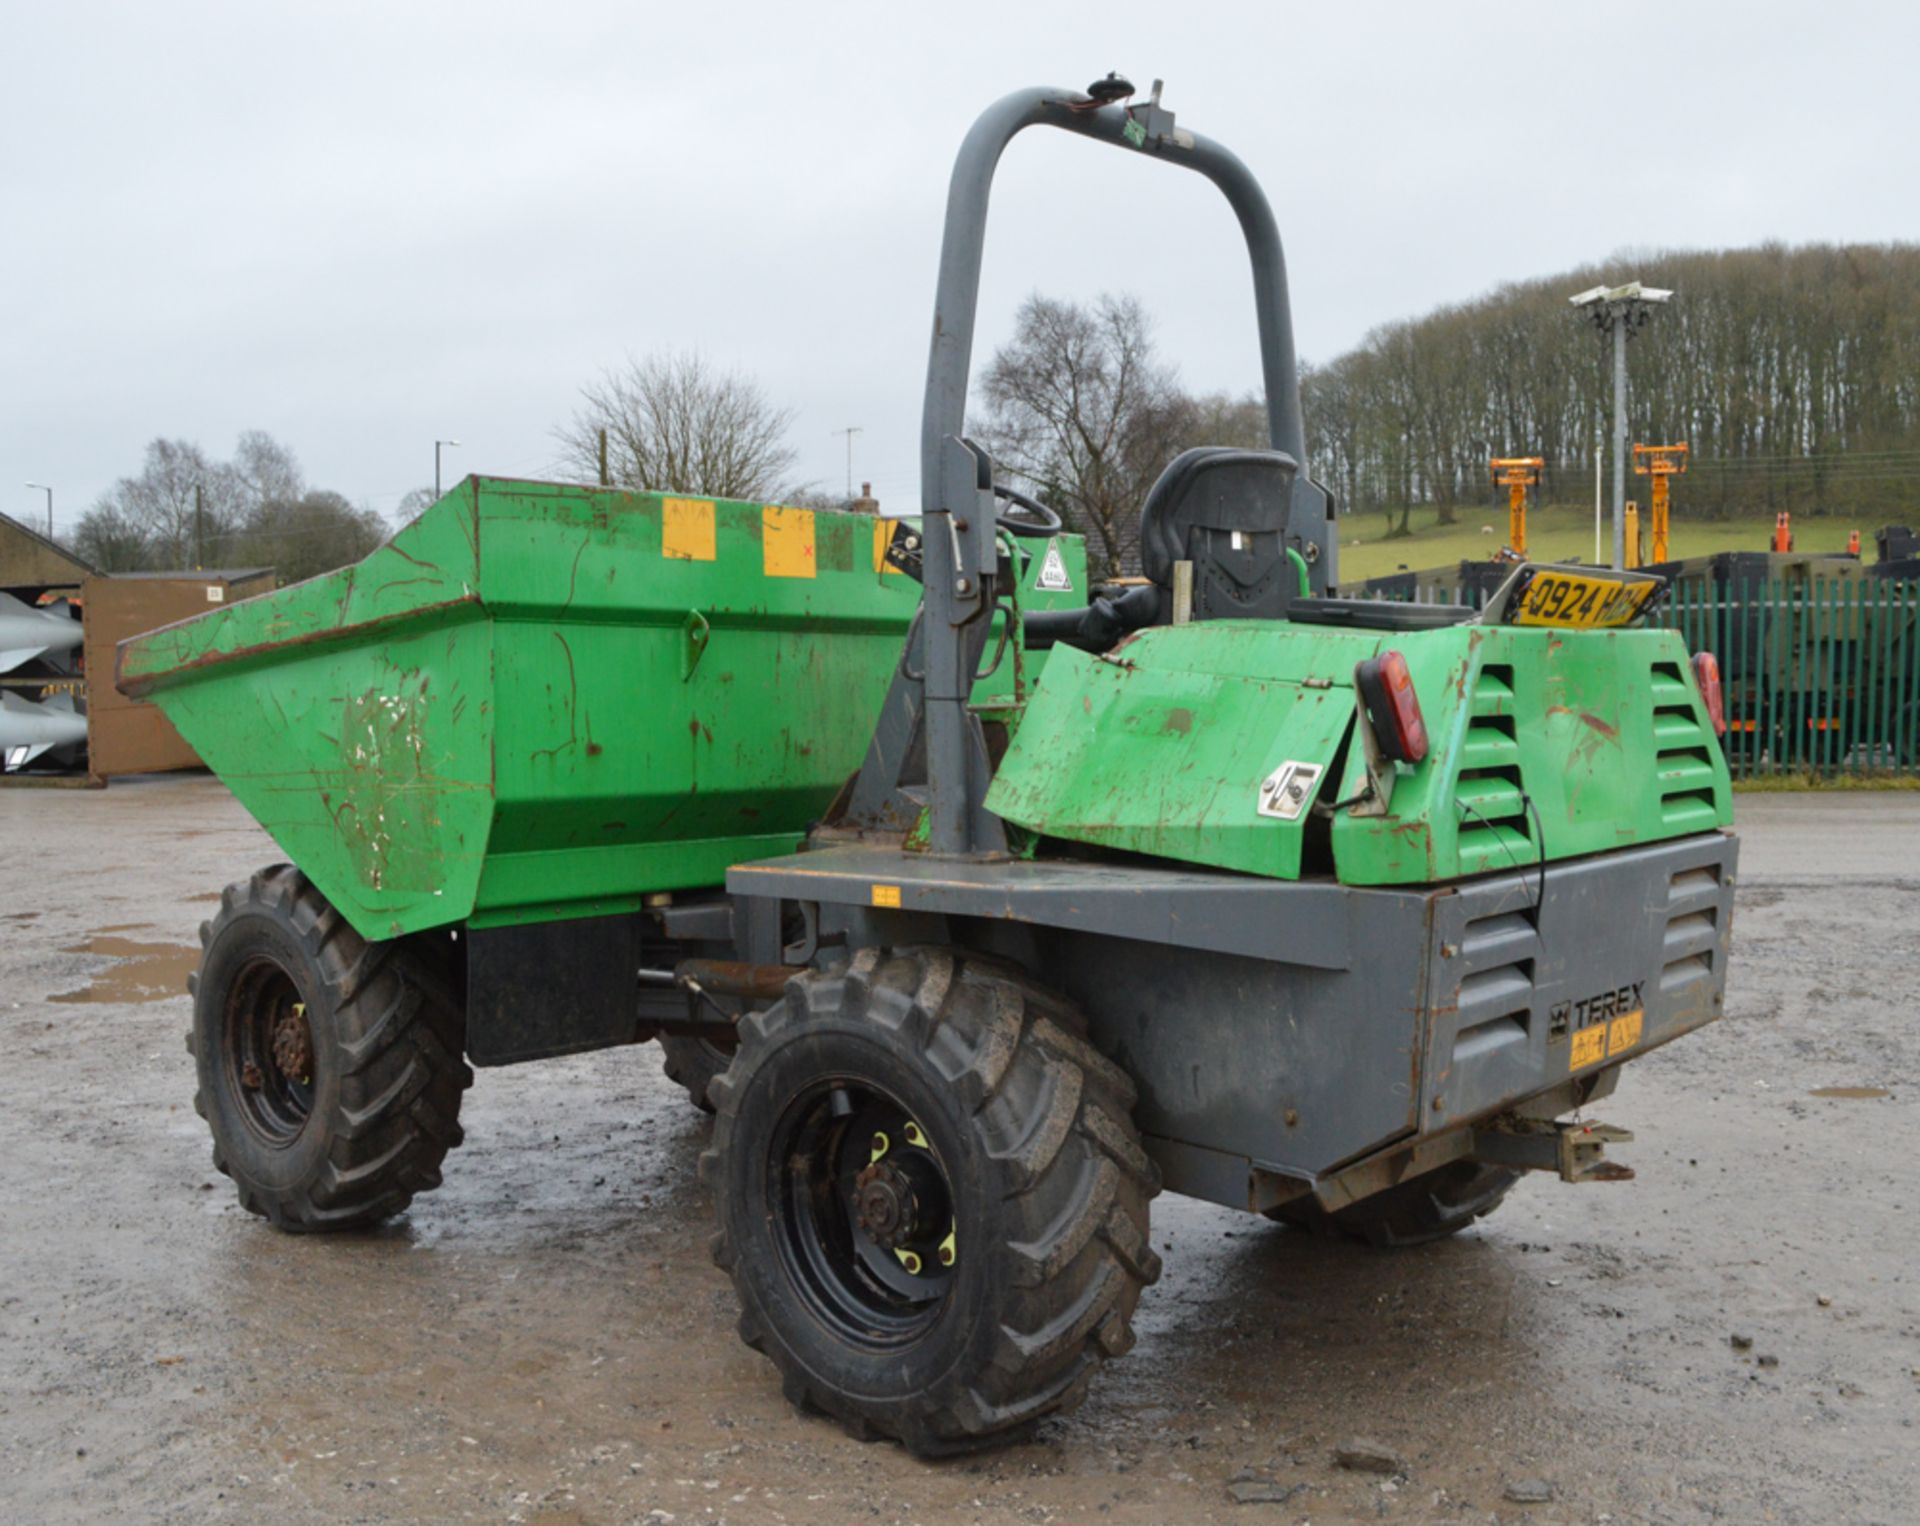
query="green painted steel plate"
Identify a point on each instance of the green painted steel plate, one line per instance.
(1545, 745)
(542, 700)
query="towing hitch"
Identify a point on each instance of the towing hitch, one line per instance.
(1575, 1151)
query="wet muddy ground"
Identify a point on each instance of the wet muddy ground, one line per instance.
(1735, 1336)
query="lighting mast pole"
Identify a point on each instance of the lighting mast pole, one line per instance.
(43, 488)
(436, 464)
(1620, 311)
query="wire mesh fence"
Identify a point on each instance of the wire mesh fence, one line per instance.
(1820, 676)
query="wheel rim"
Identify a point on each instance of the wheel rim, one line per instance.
(864, 1217)
(269, 1052)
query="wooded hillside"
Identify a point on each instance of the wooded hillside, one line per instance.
(1793, 373)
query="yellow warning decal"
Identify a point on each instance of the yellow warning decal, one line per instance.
(1606, 1040)
(786, 541)
(886, 895)
(686, 529)
(882, 538)
(1624, 1032)
(1589, 1047)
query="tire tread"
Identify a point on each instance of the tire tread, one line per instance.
(1053, 1116)
(402, 1075)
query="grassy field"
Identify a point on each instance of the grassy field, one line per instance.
(1557, 534)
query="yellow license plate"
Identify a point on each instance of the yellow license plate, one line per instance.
(1583, 602)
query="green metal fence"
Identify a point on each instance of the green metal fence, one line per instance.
(1821, 676)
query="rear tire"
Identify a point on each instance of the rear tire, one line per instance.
(330, 1068)
(931, 1198)
(693, 1062)
(1418, 1211)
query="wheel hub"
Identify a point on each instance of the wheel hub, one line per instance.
(865, 1213)
(884, 1205)
(269, 1051)
(293, 1045)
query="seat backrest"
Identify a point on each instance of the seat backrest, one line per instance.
(1225, 511)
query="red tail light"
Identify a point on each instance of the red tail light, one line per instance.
(1706, 672)
(1386, 688)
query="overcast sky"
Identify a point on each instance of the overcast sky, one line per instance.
(362, 226)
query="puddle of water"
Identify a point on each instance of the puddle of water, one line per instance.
(141, 972)
(1851, 1093)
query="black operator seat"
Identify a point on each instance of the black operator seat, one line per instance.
(1222, 509)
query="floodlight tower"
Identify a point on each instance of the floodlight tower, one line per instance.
(1659, 462)
(1620, 311)
(1516, 474)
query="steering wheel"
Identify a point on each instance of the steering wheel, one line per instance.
(1028, 516)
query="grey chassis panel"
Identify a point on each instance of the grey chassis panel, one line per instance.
(1308, 924)
(1294, 1028)
(1647, 926)
(1236, 1003)
(1291, 1067)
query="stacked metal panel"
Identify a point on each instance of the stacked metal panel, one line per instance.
(37, 643)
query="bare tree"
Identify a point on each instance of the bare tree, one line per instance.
(416, 502)
(182, 503)
(309, 535)
(268, 471)
(674, 424)
(1080, 409)
(112, 540)
(1222, 418)
(186, 509)
(806, 496)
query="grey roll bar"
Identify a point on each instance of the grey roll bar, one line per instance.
(1145, 128)
(961, 552)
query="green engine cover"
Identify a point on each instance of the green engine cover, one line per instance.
(1544, 745)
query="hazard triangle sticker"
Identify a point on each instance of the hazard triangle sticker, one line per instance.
(1053, 571)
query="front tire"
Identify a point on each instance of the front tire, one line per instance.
(931, 1197)
(329, 1068)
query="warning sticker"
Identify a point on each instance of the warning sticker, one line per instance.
(1607, 1040)
(1589, 1047)
(1053, 571)
(1624, 1032)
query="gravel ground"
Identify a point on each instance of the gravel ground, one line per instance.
(1735, 1336)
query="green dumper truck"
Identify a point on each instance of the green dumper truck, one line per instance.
(977, 911)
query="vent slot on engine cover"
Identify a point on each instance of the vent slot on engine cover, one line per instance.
(1683, 757)
(1489, 799)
